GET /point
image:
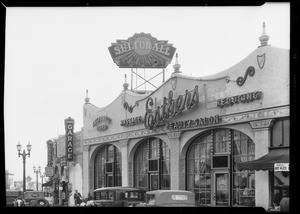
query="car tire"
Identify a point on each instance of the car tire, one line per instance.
(41, 203)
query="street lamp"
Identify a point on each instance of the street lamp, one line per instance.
(37, 171)
(24, 154)
(42, 175)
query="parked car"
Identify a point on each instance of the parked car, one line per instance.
(11, 196)
(169, 198)
(118, 196)
(35, 199)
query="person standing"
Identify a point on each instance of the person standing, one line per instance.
(77, 198)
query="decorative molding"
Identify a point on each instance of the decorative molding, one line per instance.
(91, 183)
(261, 59)
(249, 72)
(226, 119)
(123, 143)
(256, 115)
(174, 135)
(262, 124)
(182, 173)
(130, 108)
(130, 178)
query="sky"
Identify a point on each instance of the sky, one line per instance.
(54, 54)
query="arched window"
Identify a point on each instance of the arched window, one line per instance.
(152, 165)
(108, 167)
(211, 169)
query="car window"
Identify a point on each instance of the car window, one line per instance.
(110, 195)
(151, 199)
(133, 194)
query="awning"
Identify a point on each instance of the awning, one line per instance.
(267, 161)
(48, 184)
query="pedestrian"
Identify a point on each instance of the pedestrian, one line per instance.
(77, 198)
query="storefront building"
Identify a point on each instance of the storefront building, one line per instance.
(65, 173)
(191, 133)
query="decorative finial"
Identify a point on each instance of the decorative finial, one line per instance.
(87, 99)
(264, 38)
(176, 66)
(125, 85)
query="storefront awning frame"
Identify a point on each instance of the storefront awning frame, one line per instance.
(266, 162)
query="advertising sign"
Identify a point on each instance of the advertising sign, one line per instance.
(142, 51)
(49, 171)
(69, 126)
(50, 153)
(281, 167)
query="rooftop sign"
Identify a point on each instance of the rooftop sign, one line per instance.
(142, 51)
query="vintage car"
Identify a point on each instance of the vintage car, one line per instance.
(35, 199)
(118, 196)
(11, 196)
(169, 198)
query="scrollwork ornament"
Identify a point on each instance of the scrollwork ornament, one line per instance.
(241, 80)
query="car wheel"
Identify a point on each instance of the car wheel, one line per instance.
(41, 203)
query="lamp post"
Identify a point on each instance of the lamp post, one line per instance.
(42, 175)
(24, 154)
(37, 171)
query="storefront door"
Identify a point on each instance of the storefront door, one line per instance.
(154, 181)
(221, 187)
(110, 181)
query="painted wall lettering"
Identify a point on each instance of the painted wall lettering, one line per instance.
(69, 126)
(170, 107)
(193, 123)
(101, 123)
(132, 121)
(244, 98)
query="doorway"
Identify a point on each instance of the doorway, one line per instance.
(154, 181)
(221, 188)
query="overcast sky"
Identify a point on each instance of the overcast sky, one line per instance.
(53, 55)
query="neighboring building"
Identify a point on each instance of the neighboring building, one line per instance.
(191, 133)
(9, 180)
(67, 175)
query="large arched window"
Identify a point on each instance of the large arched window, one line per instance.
(152, 165)
(108, 167)
(211, 169)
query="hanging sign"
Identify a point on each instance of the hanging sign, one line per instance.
(281, 167)
(142, 51)
(50, 153)
(69, 125)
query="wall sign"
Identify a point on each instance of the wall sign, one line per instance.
(170, 107)
(192, 123)
(281, 167)
(132, 121)
(49, 171)
(69, 125)
(244, 98)
(101, 123)
(142, 51)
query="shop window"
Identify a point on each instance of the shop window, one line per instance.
(152, 158)
(281, 133)
(281, 186)
(107, 167)
(221, 150)
(198, 169)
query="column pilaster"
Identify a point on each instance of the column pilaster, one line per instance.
(262, 140)
(124, 157)
(174, 139)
